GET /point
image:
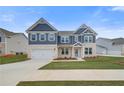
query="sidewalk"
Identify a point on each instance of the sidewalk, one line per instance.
(43, 75)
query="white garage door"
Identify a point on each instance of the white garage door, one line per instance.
(42, 54)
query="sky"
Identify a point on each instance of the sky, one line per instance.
(107, 21)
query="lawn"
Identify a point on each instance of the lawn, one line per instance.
(12, 58)
(90, 63)
(71, 83)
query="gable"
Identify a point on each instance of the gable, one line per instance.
(88, 31)
(80, 30)
(78, 44)
(42, 27)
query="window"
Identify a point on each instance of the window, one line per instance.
(88, 39)
(51, 37)
(62, 51)
(42, 37)
(33, 37)
(65, 51)
(76, 38)
(88, 51)
(0, 39)
(65, 39)
(0, 51)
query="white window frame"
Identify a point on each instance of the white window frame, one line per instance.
(44, 37)
(88, 39)
(85, 39)
(65, 38)
(35, 37)
(88, 50)
(65, 51)
(91, 39)
(76, 38)
(49, 37)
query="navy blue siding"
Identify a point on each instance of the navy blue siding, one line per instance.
(58, 39)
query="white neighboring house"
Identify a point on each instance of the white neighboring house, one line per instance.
(105, 46)
(12, 43)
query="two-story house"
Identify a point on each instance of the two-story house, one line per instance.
(12, 43)
(46, 42)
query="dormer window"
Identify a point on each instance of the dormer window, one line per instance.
(33, 37)
(51, 37)
(42, 37)
(65, 39)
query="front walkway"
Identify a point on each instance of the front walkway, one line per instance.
(11, 74)
(85, 74)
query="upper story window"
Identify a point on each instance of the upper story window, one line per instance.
(0, 39)
(34, 37)
(88, 39)
(42, 37)
(65, 39)
(51, 37)
(76, 38)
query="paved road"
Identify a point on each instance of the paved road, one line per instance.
(11, 74)
(78, 74)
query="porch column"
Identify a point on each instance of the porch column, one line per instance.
(73, 52)
(82, 51)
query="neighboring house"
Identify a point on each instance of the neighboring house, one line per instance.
(12, 43)
(46, 42)
(110, 46)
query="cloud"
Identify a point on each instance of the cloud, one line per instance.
(7, 18)
(109, 32)
(118, 8)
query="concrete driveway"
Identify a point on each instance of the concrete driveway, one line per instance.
(11, 74)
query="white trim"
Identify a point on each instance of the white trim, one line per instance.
(90, 30)
(35, 37)
(44, 37)
(49, 35)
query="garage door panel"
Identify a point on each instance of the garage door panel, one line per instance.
(42, 54)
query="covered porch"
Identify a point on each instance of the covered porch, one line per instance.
(70, 51)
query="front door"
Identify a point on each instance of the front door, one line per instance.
(77, 52)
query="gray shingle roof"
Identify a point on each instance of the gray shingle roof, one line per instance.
(6, 32)
(118, 41)
(42, 27)
(80, 30)
(66, 32)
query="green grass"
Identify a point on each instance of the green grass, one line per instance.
(13, 59)
(90, 63)
(71, 83)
